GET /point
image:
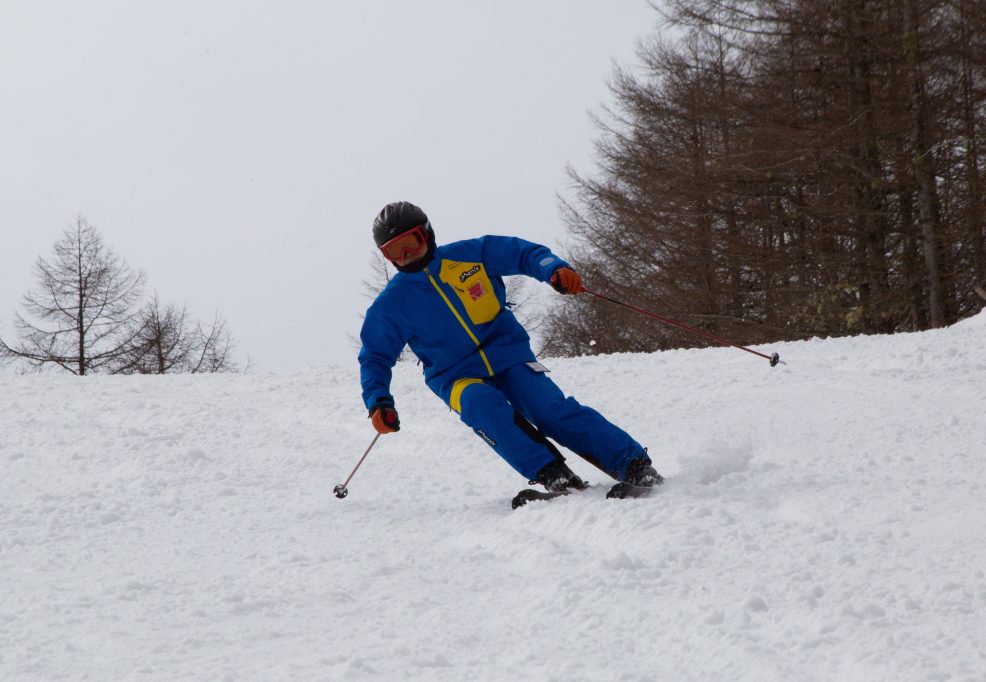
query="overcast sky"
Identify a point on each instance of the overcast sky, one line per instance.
(238, 151)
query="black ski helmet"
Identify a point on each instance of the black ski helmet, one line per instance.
(398, 217)
(395, 218)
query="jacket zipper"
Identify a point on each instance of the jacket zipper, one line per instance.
(482, 353)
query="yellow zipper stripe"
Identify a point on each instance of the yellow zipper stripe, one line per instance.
(455, 312)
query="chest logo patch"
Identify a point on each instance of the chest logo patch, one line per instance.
(469, 273)
(471, 283)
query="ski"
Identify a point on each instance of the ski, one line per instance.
(619, 491)
(622, 491)
(531, 495)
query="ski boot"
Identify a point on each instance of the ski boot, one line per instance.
(641, 478)
(555, 476)
(642, 474)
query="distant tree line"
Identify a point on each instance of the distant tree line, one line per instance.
(785, 169)
(87, 314)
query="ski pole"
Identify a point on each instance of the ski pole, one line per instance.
(774, 359)
(341, 490)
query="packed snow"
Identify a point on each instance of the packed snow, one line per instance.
(822, 520)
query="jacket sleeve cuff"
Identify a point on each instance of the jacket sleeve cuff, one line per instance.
(383, 401)
(552, 267)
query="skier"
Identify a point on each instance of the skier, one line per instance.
(448, 304)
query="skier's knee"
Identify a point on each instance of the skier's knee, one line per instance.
(458, 388)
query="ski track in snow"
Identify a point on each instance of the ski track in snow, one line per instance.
(823, 520)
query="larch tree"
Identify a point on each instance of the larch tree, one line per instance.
(80, 315)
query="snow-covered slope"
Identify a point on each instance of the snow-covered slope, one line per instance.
(823, 520)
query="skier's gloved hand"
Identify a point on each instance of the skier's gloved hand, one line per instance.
(567, 281)
(384, 418)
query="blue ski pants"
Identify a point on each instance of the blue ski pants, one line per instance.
(491, 407)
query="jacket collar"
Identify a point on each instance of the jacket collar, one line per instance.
(432, 265)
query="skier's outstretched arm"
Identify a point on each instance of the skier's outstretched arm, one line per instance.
(505, 256)
(382, 345)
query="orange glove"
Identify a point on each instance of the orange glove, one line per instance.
(385, 419)
(567, 281)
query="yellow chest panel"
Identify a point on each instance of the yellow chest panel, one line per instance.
(472, 284)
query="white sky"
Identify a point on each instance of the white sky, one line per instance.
(238, 151)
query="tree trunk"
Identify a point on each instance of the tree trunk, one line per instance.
(870, 214)
(974, 205)
(80, 318)
(922, 167)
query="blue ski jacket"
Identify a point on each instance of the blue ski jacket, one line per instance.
(453, 315)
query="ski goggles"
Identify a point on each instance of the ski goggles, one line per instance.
(406, 244)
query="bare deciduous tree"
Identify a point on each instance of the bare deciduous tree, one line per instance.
(80, 315)
(212, 350)
(379, 276)
(168, 342)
